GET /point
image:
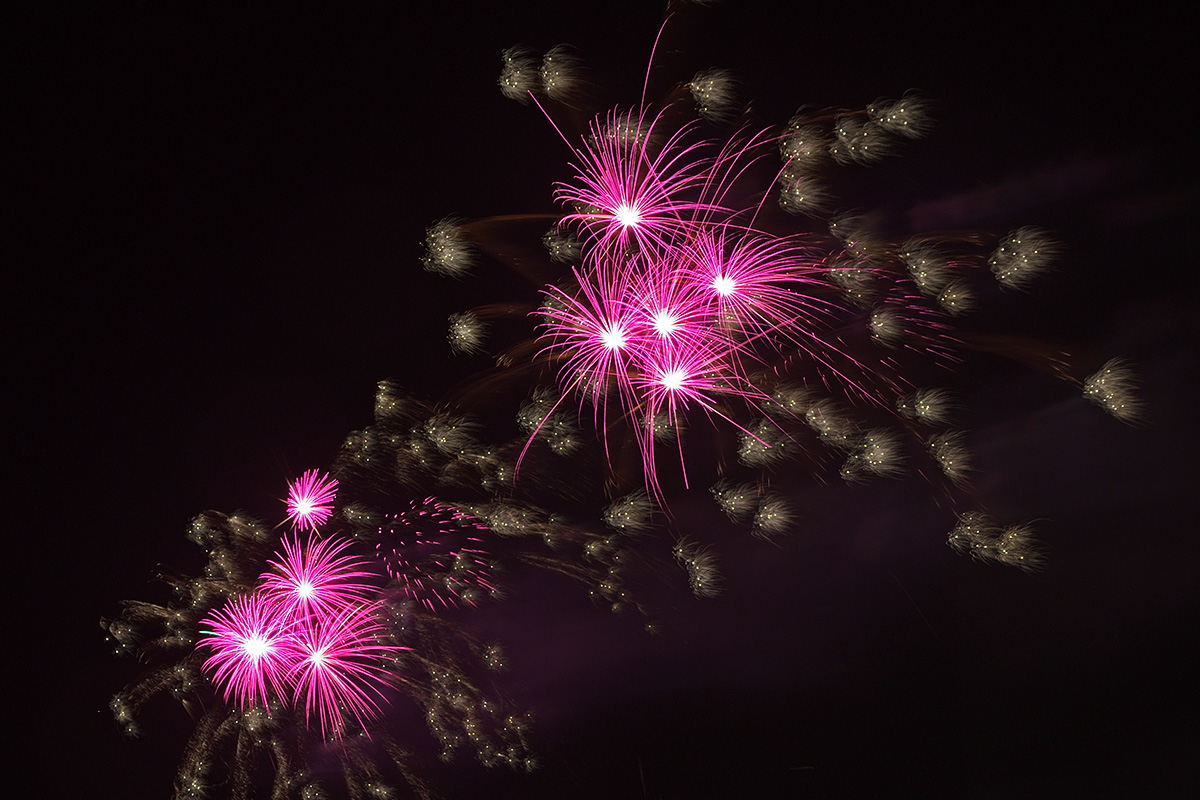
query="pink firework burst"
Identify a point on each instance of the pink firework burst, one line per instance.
(761, 284)
(595, 332)
(633, 189)
(666, 332)
(675, 378)
(316, 577)
(310, 499)
(340, 665)
(768, 295)
(251, 650)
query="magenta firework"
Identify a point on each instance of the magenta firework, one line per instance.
(700, 314)
(316, 577)
(252, 650)
(310, 499)
(312, 658)
(707, 291)
(341, 663)
(309, 633)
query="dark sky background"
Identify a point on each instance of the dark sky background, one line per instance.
(219, 238)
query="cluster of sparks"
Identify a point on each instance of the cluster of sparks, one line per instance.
(688, 295)
(292, 643)
(310, 499)
(669, 313)
(308, 633)
(434, 555)
(684, 297)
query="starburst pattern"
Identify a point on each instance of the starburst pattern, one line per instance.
(310, 499)
(307, 631)
(631, 192)
(340, 664)
(250, 644)
(316, 578)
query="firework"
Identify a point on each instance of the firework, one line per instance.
(310, 499)
(314, 651)
(705, 311)
(633, 193)
(316, 578)
(340, 663)
(309, 631)
(291, 642)
(251, 649)
(688, 303)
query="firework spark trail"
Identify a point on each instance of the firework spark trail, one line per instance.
(339, 665)
(629, 197)
(435, 555)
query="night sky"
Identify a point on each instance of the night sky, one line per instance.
(219, 230)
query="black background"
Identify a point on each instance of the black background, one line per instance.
(217, 241)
